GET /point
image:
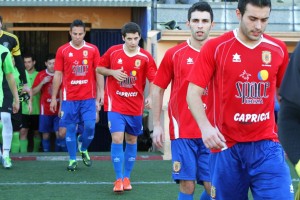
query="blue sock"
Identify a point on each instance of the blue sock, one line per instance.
(88, 134)
(182, 196)
(46, 145)
(63, 145)
(204, 196)
(129, 158)
(71, 140)
(117, 158)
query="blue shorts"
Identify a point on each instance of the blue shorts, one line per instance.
(125, 123)
(190, 160)
(260, 166)
(77, 111)
(48, 123)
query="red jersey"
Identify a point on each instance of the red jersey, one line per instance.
(174, 68)
(46, 92)
(127, 97)
(78, 66)
(243, 82)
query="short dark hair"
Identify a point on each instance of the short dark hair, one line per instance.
(130, 27)
(29, 55)
(50, 56)
(259, 3)
(201, 6)
(77, 23)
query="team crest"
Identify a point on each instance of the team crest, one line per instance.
(137, 63)
(85, 53)
(266, 57)
(176, 166)
(213, 192)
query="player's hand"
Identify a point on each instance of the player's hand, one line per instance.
(148, 103)
(16, 106)
(46, 79)
(98, 106)
(213, 139)
(53, 105)
(119, 74)
(158, 136)
(26, 89)
(29, 105)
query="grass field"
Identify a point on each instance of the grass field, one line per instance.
(49, 179)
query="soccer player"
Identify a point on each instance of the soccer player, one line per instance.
(127, 66)
(289, 114)
(48, 121)
(10, 41)
(242, 69)
(30, 120)
(189, 154)
(75, 66)
(7, 70)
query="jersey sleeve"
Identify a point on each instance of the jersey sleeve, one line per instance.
(37, 80)
(204, 67)
(151, 70)
(165, 72)
(8, 66)
(283, 66)
(59, 60)
(16, 50)
(104, 60)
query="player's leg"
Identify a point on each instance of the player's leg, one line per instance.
(270, 174)
(116, 124)
(88, 114)
(46, 127)
(6, 138)
(34, 125)
(203, 175)
(133, 129)
(70, 118)
(16, 122)
(184, 165)
(24, 133)
(229, 176)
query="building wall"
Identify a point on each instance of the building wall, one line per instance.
(99, 17)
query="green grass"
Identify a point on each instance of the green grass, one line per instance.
(45, 180)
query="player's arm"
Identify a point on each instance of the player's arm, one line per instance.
(148, 99)
(55, 88)
(13, 88)
(157, 100)
(212, 138)
(39, 86)
(100, 90)
(118, 74)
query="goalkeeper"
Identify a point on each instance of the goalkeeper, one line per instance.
(289, 114)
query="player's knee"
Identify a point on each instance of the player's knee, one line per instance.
(89, 126)
(187, 187)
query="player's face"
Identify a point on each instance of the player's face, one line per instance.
(200, 25)
(29, 64)
(253, 23)
(50, 65)
(77, 34)
(131, 41)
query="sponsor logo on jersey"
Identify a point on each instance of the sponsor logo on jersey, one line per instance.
(79, 82)
(126, 94)
(236, 58)
(70, 54)
(120, 61)
(253, 92)
(129, 82)
(85, 53)
(176, 166)
(190, 61)
(80, 70)
(266, 57)
(249, 118)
